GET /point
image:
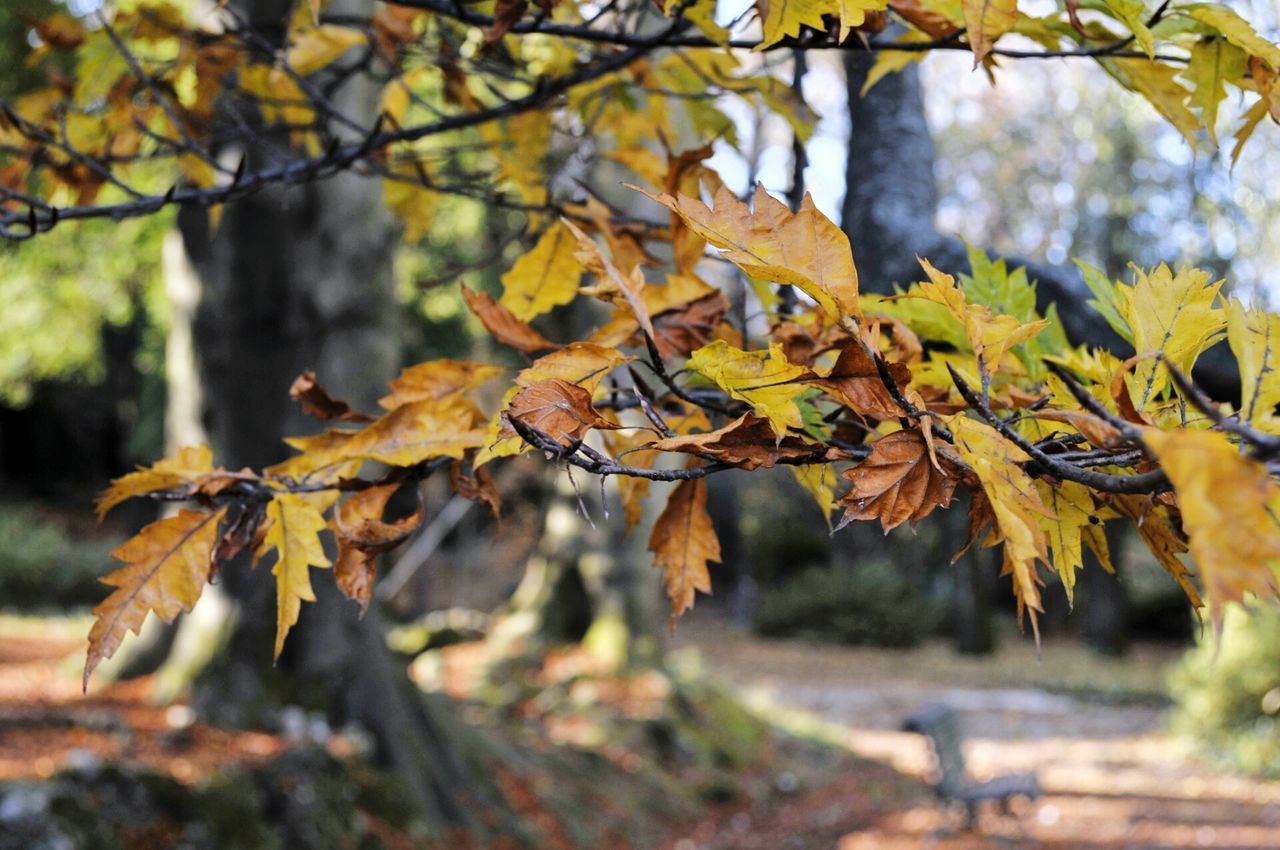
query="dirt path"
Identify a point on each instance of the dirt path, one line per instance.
(1092, 731)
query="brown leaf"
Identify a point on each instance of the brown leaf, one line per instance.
(317, 402)
(505, 15)
(477, 487)
(679, 332)
(981, 517)
(682, 542)
(167, 566)
(801, 344)
(559, 409)
(503, 324)
(1100, 433)
(748, 443)
(896, 483)
(362, 534)
(240, 535)
(855, 382)
(924, 19)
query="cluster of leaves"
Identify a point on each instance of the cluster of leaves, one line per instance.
(881, 407)
(142, 102)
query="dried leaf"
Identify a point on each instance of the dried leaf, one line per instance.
(420, 430)
(559, 409)
(896, 483)
(985, 21)
(855, 382)
(504, 326)
(747, 443)
(317, 402)
(167, 566)
(362, 534)
(683, 540)
(182, 470)
(804, 249)
(437, 379)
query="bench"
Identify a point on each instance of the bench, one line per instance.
(937, 722)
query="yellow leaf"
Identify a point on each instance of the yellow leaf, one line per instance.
(1223, 497)
(545, 277)
(325, 457)
(1214, 63)
(583, 363)
(437, 379)
(763, 379)
(985, 21)
(1174, 315)
(819, 481)
(1236, 30)
(682, 542)
(631, 287)
(786, 18)
(989, 334)
(891, 61)
(1254, 336)
(1158, 84)
(1158, 533)
(167, 566)
(804, 249)
(184, 468)
(318, 47)
(1015, 502)
(1071, 525)
(294, 533)
(419, 430)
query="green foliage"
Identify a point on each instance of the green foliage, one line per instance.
(1228, 693)
(42, 565)
(869, 604)
(60, 292)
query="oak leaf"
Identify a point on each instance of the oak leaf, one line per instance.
(683, 541)
(167, 566)
(896, 483)
(294, 533)
(1015, 505)
(437, 379)
(317, 402)
(763, 379)
(855, 382)
(804, 249)
(1254, 336)
(181, 471)
(559, 409)
(544, 278)
(1223, 498)
(985, 21)
(1174, 315)
(1072, 526)
(420, 430)
(324, 457)
(1162, 538)
(362, 535)
(583, 363)
(748, 442)
(503, 325)
(990, 335)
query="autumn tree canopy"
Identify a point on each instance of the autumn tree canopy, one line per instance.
(882, 407)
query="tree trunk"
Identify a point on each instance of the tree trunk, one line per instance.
(291, 279)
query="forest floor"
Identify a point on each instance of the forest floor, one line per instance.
(1091, 729)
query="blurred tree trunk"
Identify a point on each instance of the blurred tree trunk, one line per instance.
(291, 279)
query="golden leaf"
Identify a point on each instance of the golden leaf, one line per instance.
(1174, 315)
(545, 277)
(1254, 336)
(294, 532)
(1071, 525)
(419, 430)
(317, 47)
(1165, 543)
(362, 534)
(804, 249)
(325, 457)
(682, 542)
(786, 18)
(1223, 497)
(985, 21)
(168, 564)
(583, 363)
(183, 469)
(437, 379)
(1015, 504)
(989, 334)
(763, 379)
